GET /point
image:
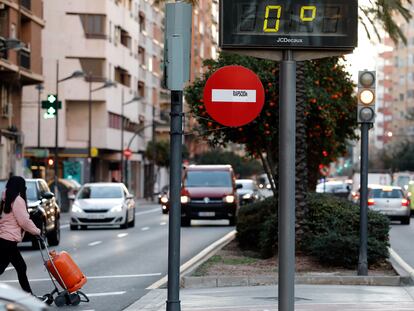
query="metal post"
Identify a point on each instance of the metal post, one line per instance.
(154, 153)
(122, 136)
(56, 179)
(363, 201)
(173, 300)
(90, 129)
(39, 88)
(287, 121)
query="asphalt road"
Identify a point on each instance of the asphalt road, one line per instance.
(120, 264)
(401, 238)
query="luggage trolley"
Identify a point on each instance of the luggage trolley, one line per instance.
(63, 270)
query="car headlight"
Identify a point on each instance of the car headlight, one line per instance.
(116, 209)
(229, 199)
(185, 199)
(76, 208)
(247, 196)
(164, 200)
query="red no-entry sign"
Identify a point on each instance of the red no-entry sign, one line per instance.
(234, 96)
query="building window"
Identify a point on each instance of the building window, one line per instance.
(27, 4)
(114, 121)
(141, 22)
(93, 67)
(122, 76)
(24, 55)
(125, 38)
(141, 89)
(93, 25)
(141, 55)
(5, 101)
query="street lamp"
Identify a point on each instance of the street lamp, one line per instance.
(39, 88)
(134, 99)
(11, 44)
(75, 74)
(107, 83)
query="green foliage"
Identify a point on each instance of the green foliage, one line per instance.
(330, 117)
(243, 167)
(331, 231)
(161, 152)
(399, 158)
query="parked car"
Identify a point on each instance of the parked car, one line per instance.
(209, 192)
(103, 204)
(338, 188)
(12, 298)
(248, 191)
(390, 201)
(43, 211)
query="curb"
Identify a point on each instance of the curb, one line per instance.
(402, 268)
(229, 281)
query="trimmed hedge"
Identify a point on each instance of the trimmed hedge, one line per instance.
(331, 230)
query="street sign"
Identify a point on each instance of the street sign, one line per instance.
(127, 153)
(94, 152)
(324, 170)
(286, 24)
(234, 96)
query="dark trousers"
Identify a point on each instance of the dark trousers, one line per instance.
(9, 253)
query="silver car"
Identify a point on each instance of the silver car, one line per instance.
(12, 298)
(390, 201)
(103, 204)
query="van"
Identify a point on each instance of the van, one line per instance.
(209, 192)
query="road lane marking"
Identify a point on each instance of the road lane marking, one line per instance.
(147, 212)
(199, 258)
(95, 243)
(145, 228)
(120, 276)
(163, 223)
(106, 294)
(121, 235)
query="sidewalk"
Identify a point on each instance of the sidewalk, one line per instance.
(264, 298)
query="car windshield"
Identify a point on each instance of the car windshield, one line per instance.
(31, 191)
(208, 179)
(101, 192)
(386, 194)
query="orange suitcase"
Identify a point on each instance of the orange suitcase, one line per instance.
(65, 271)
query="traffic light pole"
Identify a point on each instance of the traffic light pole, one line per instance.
(363, 201)
(56, 179)
(174, 227)
(287, 149)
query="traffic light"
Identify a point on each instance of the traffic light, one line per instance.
(50, 162)
(366, 96)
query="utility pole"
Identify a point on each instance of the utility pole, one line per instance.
(90, 129)
(154, 153)
(56, 157)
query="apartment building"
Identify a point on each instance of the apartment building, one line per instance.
(397, 101)
(205, 46)
(21, 24)
(111, 41)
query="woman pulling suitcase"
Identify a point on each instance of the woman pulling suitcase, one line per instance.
(14, 221)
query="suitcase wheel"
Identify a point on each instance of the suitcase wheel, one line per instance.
(48, 299)
(60, 299)
(74, 299)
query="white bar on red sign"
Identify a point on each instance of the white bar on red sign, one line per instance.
(235, 96)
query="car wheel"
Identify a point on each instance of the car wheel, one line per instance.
(185, 222)
(406, 221)
(132, 223)
(53, 238)
(125, 224)
(74, 227)
(232, 221)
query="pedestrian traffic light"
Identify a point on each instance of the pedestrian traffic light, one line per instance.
(366, 96)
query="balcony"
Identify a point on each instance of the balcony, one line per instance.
(24, 58)
(27, 4)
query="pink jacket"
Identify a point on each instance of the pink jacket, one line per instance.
(13, 224)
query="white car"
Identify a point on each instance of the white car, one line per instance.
(12, 298)
(103, 204)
